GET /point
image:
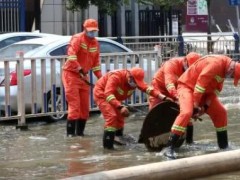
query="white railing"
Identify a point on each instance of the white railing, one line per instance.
(38, 90)
(169, 46)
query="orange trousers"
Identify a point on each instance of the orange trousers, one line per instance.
(77, 95)
(216, 110)
(111, 115)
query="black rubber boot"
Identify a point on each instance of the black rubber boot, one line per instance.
(189, 134)
(108, 139)
(119, 132)
(222, 139)
(118, 139)
(169, 151)
(80, 126)
(70, 128)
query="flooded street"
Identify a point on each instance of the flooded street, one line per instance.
(44, 152)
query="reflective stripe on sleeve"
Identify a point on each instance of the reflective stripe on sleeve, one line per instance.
(199, 89)
(120, 91)
(96, 68)
(219, 78)
(72, 58)
(92, 49)
(110, 97)
(170, 86)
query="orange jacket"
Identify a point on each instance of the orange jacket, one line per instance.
(168, 74)
(206, 76)
(113, 87)
(83, 53)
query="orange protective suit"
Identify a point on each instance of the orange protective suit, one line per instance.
(83, 53)
(165, 80)
(200, 85)
(110, 91)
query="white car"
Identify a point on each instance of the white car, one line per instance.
(25, 46)
(7, 39)
(46, 47)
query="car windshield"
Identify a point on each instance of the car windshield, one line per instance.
(10, 51)
(106, 47)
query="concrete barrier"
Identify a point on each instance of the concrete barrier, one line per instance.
(186, 168)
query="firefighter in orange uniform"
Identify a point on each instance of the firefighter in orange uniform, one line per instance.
(110, 91)
(83, 55)
(165, 81)
(197, 91)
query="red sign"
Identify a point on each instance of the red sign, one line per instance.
(196, 17)
(196, 23)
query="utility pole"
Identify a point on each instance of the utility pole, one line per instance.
(209, 38)
(236, 3)
(238, 22)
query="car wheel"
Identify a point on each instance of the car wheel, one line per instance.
(59, 115)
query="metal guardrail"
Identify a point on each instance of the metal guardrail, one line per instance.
(170, 46)
(32, 87)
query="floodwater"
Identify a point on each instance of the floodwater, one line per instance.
(44, 152)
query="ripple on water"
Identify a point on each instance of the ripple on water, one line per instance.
(38, 138)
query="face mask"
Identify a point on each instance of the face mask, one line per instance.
(91, 34)
(229, 75)
(132, 83)
(185, 65)
(230, 70)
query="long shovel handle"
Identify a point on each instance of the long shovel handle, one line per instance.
(134, 109)
(86, 81)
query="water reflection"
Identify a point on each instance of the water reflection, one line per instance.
(45, 152)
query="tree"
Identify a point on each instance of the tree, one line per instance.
(110, 6)
(107, 6)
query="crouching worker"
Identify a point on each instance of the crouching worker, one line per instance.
(110, 91)
(197, 91)
(165, 81)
